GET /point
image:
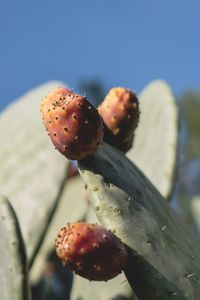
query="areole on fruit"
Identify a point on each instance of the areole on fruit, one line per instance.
(91, 251)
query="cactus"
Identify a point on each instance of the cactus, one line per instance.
(128, 204)
(28, 167)
(156, 138)
(162, 263)
(13, 271)
(158, 96)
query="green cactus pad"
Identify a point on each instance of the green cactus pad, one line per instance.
(13, 264)
(32, 172)
(163, 262)
(155, 143)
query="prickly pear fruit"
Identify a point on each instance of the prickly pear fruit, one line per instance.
(73, 123)
(91, 251)
(120, 113)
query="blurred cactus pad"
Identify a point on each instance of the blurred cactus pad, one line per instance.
(127, 194)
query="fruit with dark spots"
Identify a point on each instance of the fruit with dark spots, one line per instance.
(73, 123)
(91, 251)
(120, 114)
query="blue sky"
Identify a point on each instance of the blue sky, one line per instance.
(126, 43)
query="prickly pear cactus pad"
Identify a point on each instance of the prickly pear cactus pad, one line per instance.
(155, 143)
(163, 263)
(32, 172)
(13, 265)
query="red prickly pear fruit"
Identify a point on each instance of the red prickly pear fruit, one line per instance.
(73, 123)
(120, 113)
(91, 251)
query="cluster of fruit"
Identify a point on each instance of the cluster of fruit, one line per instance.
(77, 129)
